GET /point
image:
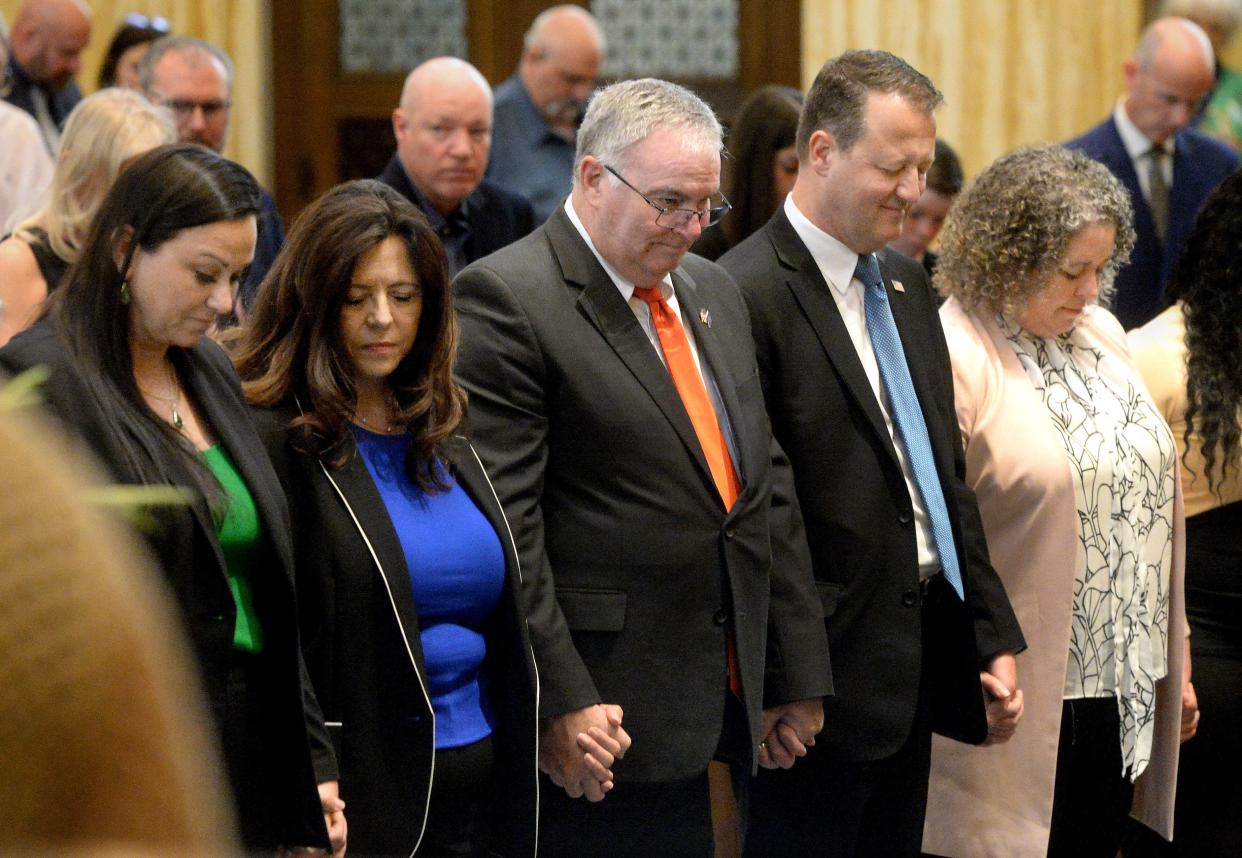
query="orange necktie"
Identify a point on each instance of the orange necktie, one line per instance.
(698, 406)
(693, 394)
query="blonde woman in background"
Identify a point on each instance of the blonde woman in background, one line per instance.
(103, 133)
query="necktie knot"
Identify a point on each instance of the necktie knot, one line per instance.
(649, 294)
(868, 271)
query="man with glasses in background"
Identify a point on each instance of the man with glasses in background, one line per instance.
(194, 79)
(615, 396)
(539, 107)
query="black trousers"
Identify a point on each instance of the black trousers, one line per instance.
(459, 819)
(828, 806)
(1092, 796)
(1208, 816)
(644, 820)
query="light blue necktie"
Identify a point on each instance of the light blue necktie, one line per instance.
(911, 428)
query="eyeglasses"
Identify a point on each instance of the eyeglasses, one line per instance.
(675, 218)
(156, 24)
(184, 108)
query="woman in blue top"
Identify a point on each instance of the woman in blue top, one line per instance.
(407, 577)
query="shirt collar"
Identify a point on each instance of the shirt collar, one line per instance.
(458, 218)
(1136, 142)
(836, 261)
(625, 287)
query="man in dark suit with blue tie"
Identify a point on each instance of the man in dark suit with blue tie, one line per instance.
(616, 401)
(1168, 167)
(859, 389)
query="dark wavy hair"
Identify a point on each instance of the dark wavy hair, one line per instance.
(169, 189)
(292, 344)
(766, 123)
(1208, 283)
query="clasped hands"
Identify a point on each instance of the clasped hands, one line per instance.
(788, 730)
(1002, 697)
(578, 749)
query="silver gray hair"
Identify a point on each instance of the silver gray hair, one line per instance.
(626, 113)
(181, 44)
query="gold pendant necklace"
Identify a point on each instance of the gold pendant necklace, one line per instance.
(174, 413)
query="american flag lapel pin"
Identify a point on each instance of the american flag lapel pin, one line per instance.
(898, 287)
(705, 317)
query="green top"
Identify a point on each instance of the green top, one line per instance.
(1222, 118)
(239, 537)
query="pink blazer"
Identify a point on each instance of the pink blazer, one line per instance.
(997, 801)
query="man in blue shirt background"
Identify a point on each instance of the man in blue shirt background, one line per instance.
(539, 107)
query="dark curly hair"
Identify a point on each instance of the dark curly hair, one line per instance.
(292, 344)
(1208, 283)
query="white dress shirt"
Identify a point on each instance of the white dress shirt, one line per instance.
(642, 312)
(836, 263)
(1137, 146)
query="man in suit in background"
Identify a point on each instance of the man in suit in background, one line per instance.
(45, 55)
(444, 132)
(615, 399)
(193, 78)
(539, 107)
(860, 393)
(1168, 167)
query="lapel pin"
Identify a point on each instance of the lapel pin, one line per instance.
(705, 317)
(897, 286)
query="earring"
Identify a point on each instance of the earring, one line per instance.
(125, 296)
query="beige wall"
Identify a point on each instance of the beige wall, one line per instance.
(1012, 71)
(239, 26)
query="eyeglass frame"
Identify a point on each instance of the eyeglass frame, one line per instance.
(714, 214)
(181, 107)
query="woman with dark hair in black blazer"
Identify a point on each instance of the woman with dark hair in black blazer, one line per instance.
(133, 374)
(407, 576)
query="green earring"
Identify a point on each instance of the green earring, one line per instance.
(125, 296)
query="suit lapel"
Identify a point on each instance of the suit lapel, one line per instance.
(711, 353)
(811, 293)
(602, 305)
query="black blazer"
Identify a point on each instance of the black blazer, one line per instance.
(856, 504)
(362, 645)
(633, 566)
(497, 217)
(186, 548)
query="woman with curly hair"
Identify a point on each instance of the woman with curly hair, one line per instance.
(1076, 475)
(408, 582)
(1191, 357)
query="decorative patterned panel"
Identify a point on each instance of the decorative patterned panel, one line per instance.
(396, 35)
(669, 38)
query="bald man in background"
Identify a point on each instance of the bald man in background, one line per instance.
(1168, 168)
(444, 134)
(539, 108)
(45, 55)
